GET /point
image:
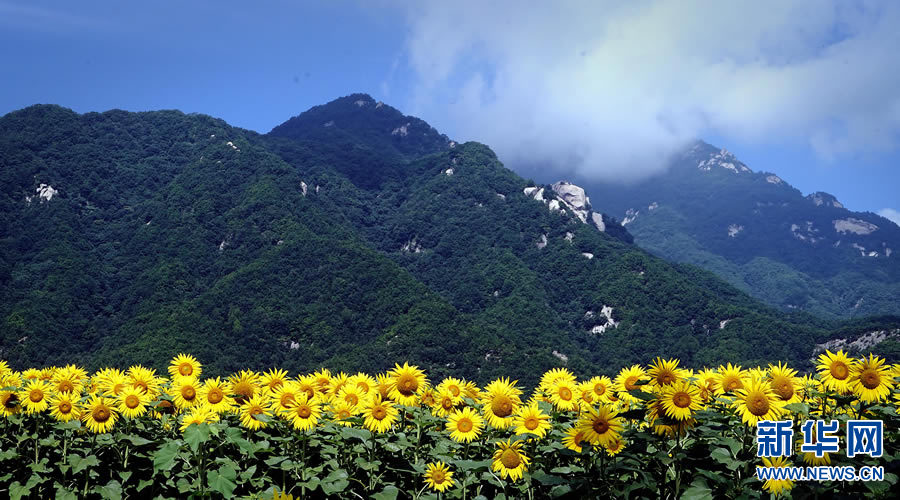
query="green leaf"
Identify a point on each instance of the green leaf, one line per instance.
(643, 396)
(164, 458)
(223, 480)
(797, 408)
(697, 491)
(80, 463)
(112, 490)
(472, 465)
(547, 479)
(388, 493)
(64, 494)
(195, 435)
(17, 491)
(335, 482)
(722, 456)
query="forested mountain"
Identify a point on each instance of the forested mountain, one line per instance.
(350, 236)
(762, 235)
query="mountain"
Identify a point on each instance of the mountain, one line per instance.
(762, 235)
(336, 239)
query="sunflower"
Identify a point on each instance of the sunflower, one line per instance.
(834, 371)
(185, 365)
(244, 385)
(731, 378)
(251, 409)
(9, 403)
(600, 425)
(185, 392)
(304, 413)
(379, 414)
(200, 414)
(554, 375)
(664, 372)
(352, 395)
(573, 439)
(708, 382)
(509, 460)
(614, 446)
(214, 395)
(870, 380)
(445, 402)
(4, 368)
(144, 378)
(627, 381)
(64, 407)
(323, 380)
(405, 381)
(664, 425)
(163, 408)
(273, 379)
(811, 459)
(307, 384)
(342, 412)
(562, 395)
(284, 396)
(31, 374)
(113, 381)
(363, 381)
(465, 425)
(777, 486)
(68, 380)
(427, 396)
(680, 400)
(600, 386)
(100, 415)
(337, 382)
(531, 420)
(133, 402)
(500, 399)
(784, 383)
(471, 391)
(438, 476)
(756, 401)
(452, 385)
(35, 396)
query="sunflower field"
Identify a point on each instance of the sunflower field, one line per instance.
(656, 431)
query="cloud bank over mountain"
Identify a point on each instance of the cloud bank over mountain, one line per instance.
(609, 89)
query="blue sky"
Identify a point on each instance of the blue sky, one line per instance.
(810, 91)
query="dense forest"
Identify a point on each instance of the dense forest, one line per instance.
(350, 236)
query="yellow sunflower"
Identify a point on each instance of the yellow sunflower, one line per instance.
(68, 380)
(438, 476)
(627, 380)
(244, 385)
(870, 380)
(731, 378)
(784, 383)
(99, 415)
(573, 439)
(273, 379)
(35, 396)
(200, 414)
(185, 365)
(337, 382)
(252, 409)
(777, 486)
(133, 402)
(352, 395)
(465, 425)
(444, 403)
(64, 407)
(500, 399)
(307, 384)
(323, 380)
(214, 394)
(304, 413)
(562, 395)
(364, 382)
(284, 396)
(509, 460)
(4, 368)
(185, 392)
(601, 387)
(708, 382)
(114, 381)
(342, 412)
(554, 375)
(664, 425)
(600, 425)
(405, 381)
(834, 371)
(452, 385)
(614, 446)
(9, 403)
(379, 414)
(756, 401)
(531, 420)
(664, 372)
(144, 378)
(680, 400)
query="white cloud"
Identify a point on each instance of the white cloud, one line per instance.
(890, 214)
(611, 88)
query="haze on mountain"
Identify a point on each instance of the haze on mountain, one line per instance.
(350, 236)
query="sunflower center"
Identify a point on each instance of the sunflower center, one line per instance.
(275, 383)
(758, 404)
(732, 383)
(784, 388)
(629, 383)
(464, 425)
(215, 396)
(599, 389)
(502, 406)
(839, 370)
(36, 395)
(454, 390)
(304, 411)
(446, 403)
(132, 401)
(10, 401)
(185, 369)
(379, 413)
(65, 407)
(437, 475)
(407, 384)
(565, 394)
(140, 384)
(531, 423)
(600, 426)
(510, 459)
(353, 399)
(256, 410)
(188, 393)
(286, 399)
(101, 413)
(682, 399)
(165, 406)
(870, 379)
(243, 390)
(66, 386)
(343, 414)
(587, 396)
(665, 378)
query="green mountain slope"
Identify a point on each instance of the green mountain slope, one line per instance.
(127, 237)
(763, 236)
